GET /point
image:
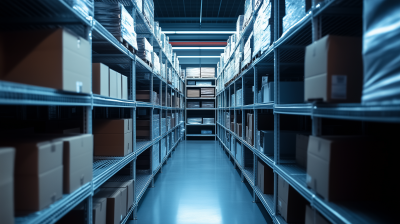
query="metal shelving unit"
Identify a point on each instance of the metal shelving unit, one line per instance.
(284, 60)
(108, 50)
(200, 109)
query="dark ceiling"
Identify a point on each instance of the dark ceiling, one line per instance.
(212, 10)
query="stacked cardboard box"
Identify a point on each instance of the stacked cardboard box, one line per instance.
(207, 104)
(77, 215)
(112, 137)
(334, 70)
(193, 93)
(128, 187)
(265, 177)
(70, 62)
(116, 203)
(291, 205)
(295, 11)
(207, 72)
(7, 161)
(143, 129)
(249, 129)
(192, 72)
(145, 50)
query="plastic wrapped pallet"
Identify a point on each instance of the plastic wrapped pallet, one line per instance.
(194, 120)
(208, 121)
(239, 26)
(162, 70)
(207, 72)
(381, 52)
(247, 52)
(262, 34)
(248, 11)
(296, 10)
(85, 7)
(148, 12)
(156, 62)
(193, 104)
(139, 5)
(145, 49)
(207, 104)
(117, 20)
(192, 72)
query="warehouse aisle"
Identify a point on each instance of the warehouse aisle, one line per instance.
(199, 185)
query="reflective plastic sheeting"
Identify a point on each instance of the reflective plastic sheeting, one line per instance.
(381, 52)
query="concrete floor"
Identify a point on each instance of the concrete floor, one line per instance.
(199, 185)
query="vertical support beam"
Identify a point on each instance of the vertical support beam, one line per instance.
(88, 208)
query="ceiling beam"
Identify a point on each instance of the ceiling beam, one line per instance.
(160, 19)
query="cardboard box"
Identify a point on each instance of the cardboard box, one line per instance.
(77, 161)
(339, 167)
(116, 203)
(113, 144)
(101, 78)
(119, 86)
(265, 178)
(207, 91)
(39, 165)
(124, 88)
(77, 215)
(128, 185)
(291, 205)
(334, 69)
(193, 93)
(113, 83)
(7, 160)
(301, 150)
(54, 58)
(115, 126)
(239, 129)
(143, 95)
(314, 217)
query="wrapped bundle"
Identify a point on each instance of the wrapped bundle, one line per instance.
(296, 10)
(248, 11)
(139, 5)
(247, 52)
(148, 12)
(238, 59)
(145, 49)
(116, 19)
(239, 26)
(85, 7)
(262, 33)
(156, 62)
(193, 72)
(207, 72)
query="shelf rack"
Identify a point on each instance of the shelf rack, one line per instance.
(108, 50)
(284, 60)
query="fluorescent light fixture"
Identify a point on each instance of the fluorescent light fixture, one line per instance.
(199, 56)
(198, 32)
(198, 48)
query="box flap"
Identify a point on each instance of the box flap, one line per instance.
(316, 57)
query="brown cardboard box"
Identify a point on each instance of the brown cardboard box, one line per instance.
(291, 205)
(143, 95)
(77, 215)
(119, 86)
(239, 129)
(113, 144)
(54, 58)
(232, 126)
(314, 217)
(115, 126)
(113, 84)
(124, 88)
(334, 69)
(339, 167)
(116, 202)
(265, 178)
(193, 93)
(77, 161)
(101, 78)
(301, 150)
(128, 185)
(7, 159)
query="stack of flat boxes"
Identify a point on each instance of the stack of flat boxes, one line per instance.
(193, 93)
(207, 92)
(247, 52)
(144, 96)
(107, 82)
(207, 104)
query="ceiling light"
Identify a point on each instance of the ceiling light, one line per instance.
(198, 48)
(198, 32)
(199, 56)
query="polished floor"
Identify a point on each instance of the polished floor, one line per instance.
(199, 185)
